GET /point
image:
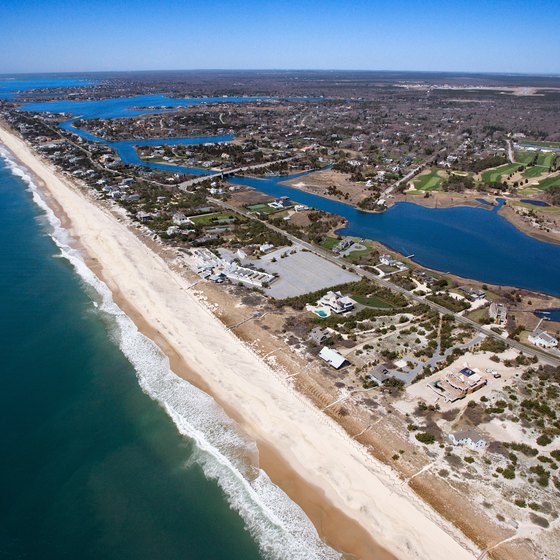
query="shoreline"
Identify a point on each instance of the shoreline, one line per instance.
(453, 200)
(364, 490)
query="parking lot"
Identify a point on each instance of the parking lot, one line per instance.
(301, 272)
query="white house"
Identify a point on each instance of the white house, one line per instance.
(337, 302)
(543, 339)
(469, 437)
(332, 357)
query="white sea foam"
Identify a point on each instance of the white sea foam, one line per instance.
(279, 526)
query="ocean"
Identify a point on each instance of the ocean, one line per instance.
(105, 452)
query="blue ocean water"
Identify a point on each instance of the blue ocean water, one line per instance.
(105, 452)
(10, 86)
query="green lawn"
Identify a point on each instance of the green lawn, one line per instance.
(357, 255)
(528, 191)
(262, 208)
(428, 182)
(534, 171)
(329, 242)
(372, 301)
(525, 157)
(549, 182)
(495, 175)
(546, 160)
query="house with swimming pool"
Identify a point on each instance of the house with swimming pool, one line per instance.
(336, 302)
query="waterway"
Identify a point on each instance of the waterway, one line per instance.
(549, 314)
(474, 243)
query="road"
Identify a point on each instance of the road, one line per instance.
(399, 289)
(511, 157)
(221, 174)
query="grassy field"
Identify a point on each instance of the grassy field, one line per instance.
(431, 181)
(534, 171)
(357, 255)
(546, 160)
(372, 301)
(549, 182)
(495, 175)
(329, 242)
(524, 157)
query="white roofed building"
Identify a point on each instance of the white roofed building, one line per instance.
(332, 357)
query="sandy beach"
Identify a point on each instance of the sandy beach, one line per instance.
(358, 504)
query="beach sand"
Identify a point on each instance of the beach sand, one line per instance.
(357, 503)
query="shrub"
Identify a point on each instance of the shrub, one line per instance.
(426, 438)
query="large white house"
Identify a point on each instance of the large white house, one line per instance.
(337, 302)
(543, 339)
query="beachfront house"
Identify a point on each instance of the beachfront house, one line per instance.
(332, 357)
(457, 385)
(469, 437)
(337, 302)
(543, 339)
(473, 293)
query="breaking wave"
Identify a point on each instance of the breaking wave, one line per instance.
(278, 525)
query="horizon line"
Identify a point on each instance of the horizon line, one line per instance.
(317, 70)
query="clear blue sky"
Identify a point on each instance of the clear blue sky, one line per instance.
(447, 35)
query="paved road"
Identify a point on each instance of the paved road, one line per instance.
(545, 356)
(220, 174)
(510, 151)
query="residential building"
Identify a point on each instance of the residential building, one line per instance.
(337, 302)
(473, 293)
(332, 357)
(498, 312)
(469, 437)
(380, 373)
(543, 339)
